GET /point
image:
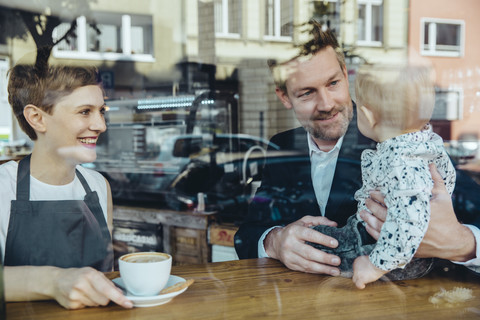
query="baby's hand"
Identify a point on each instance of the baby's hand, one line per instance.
(365, 272)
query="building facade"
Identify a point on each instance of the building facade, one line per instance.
(448, 39)
(151, 48)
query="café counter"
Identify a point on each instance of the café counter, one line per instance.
(265, 289)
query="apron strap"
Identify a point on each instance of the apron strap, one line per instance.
(23, 179)
(83, 181)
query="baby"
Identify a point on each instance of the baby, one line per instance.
(394, 106)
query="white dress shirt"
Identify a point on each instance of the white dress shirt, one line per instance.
(323, 169)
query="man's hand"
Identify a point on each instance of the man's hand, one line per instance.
(288, 245)
(445, 238)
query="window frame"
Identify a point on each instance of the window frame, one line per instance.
(334, 23)
(368, 42)
(432, 51)
(277, 27)
(225, 22)
(6, 125)
(82, 44)
(450, 112)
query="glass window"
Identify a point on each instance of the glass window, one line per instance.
(190, 116)
(141, 30)
(442, 37)
(361, 22)
(5, 110)
(286, 18)
(104, 38)
(447, 104)
(228, 17)
(328, 13)
(377, 23)
(370, 22)
(279, 19)
(71, 44)
(110, 36)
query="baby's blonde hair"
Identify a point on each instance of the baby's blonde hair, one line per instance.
(400, 96)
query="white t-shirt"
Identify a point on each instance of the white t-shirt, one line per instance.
(42, 191)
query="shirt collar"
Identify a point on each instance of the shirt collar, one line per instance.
(313, 148)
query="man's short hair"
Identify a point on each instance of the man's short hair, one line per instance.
(27, 85)
(319, 38)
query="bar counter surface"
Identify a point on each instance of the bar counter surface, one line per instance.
(265, 289)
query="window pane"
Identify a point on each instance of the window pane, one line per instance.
(269, 21)
(234, 16)
(286, 15)
(106, 39)
(361, 21)
(218, 16)
(59, 32)
(426, 33)
(448, 34)
(138, 40)
(327, 13)
(142, 35)
(377, 23)
(442, 37)
(282, 26)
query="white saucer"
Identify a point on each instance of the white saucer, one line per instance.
(150, 301)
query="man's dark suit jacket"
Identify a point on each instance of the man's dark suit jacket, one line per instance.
(287, 194)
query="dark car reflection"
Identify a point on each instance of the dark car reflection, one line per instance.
(225, 168)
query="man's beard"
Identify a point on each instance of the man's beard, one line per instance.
(327, 133)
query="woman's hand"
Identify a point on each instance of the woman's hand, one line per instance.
(86, 287)
(72, 288)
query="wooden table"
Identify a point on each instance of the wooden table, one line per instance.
(265, 289)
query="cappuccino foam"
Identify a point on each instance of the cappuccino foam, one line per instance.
(144, 258)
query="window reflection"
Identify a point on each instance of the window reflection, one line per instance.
(370, 22)
(118, 35)
(106, 36)
(279, 18)
(228, 17)
(442, 37)
(191, 100)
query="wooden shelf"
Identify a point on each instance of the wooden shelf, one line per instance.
(184, 233)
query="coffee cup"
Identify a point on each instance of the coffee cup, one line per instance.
(145, 273)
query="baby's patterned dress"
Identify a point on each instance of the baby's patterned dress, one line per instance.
(399, 169)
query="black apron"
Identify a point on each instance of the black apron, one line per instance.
(62, 233)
